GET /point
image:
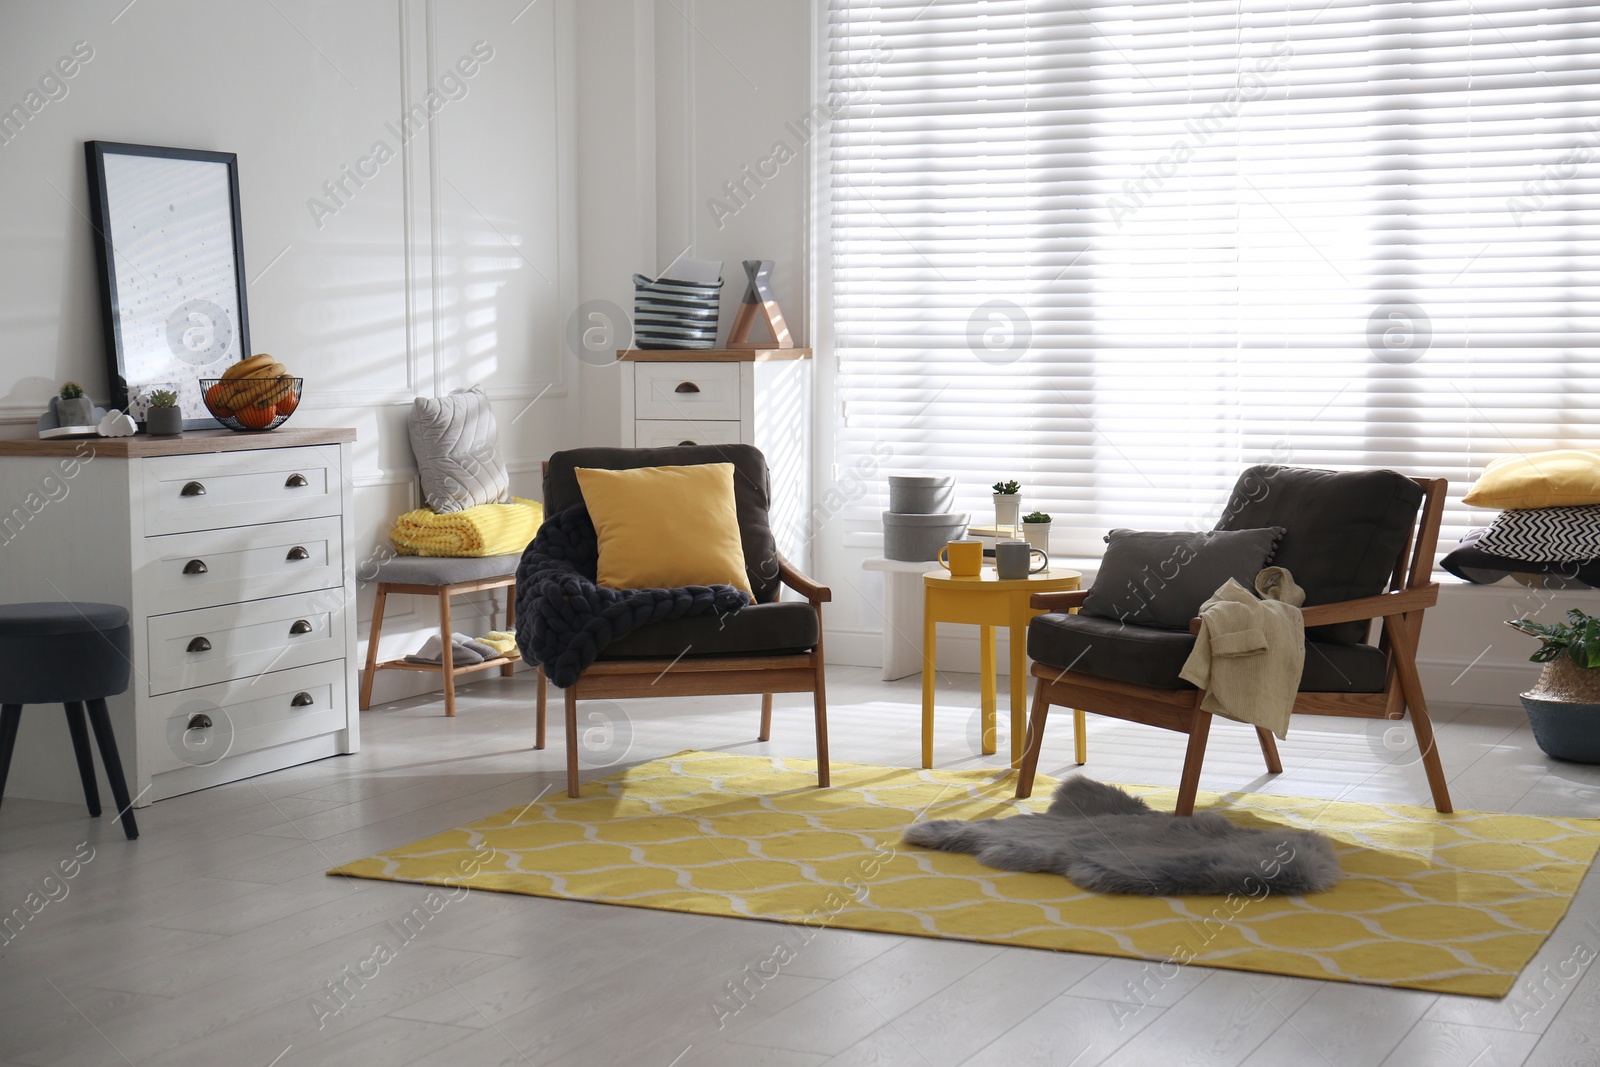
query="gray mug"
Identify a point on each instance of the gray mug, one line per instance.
(1012, 559)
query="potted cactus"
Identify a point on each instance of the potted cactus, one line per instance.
(73, 408)
(165, 417)
(1036, 530)
(1007, 503)
(1564, 705)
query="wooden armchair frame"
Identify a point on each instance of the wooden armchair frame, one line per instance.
(709, 676)
(1411, 592)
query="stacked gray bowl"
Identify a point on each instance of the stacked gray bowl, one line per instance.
(919, 521)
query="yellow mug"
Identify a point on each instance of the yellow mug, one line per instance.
(964, 558)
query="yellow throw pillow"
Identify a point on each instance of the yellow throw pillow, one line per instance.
(1567, 477)
(665, 527)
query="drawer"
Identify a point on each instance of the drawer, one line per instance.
(198, 570)
(207, 492)
(245, 716)
(662, 433)
(691, 391)
(208, 645)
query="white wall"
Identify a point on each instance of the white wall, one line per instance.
(454, 266)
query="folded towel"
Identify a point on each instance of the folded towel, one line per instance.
(464, 651)
(502, 641)
(485, 530)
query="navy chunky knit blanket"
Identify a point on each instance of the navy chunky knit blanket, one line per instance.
(564, 619)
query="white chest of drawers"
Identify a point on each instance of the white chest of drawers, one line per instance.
(758, 397)
(234, 555)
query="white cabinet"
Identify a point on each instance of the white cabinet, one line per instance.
(233, 554)
(760, 397)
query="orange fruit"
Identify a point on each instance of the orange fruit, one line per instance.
(215, 399)
(257, 417)
(287, 405)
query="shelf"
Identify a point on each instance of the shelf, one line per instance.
(190, 442)
(710, 355)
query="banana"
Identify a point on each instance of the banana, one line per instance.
(259, 391)
(248, 366)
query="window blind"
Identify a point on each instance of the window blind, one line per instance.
(1121, 251)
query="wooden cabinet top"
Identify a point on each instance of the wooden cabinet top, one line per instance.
(710, 355)
(188, 443)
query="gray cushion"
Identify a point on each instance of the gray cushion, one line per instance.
(1146, 656)
(58, 653)
(1344, 530)
(457, 449)
(1161, 579)
(449, 570)
(751, 494)
(785, 626)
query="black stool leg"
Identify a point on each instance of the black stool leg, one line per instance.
(10, 719)
(100, 719)
(80, 748)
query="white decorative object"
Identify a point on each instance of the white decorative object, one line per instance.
(1007, 509)
(235, 555)
(116, 424)
(1037, 534)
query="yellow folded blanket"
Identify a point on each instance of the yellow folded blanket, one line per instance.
(486, 530)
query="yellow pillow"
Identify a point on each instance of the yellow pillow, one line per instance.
(665, 527)
(1566, 477)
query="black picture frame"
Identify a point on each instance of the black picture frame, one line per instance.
(172, 283)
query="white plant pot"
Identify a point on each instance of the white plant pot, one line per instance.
(1037, 534)
(1007, 509)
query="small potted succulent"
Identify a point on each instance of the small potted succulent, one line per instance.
(164, 418)
(1564, 705)
(1007, 503)
(74, 409)
(1036, 530)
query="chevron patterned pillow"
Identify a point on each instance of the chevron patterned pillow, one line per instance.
(1545, 535)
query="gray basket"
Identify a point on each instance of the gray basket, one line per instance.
(922, 494)
(918, 538)
(1565, 730)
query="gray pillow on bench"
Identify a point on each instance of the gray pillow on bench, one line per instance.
(457, 449)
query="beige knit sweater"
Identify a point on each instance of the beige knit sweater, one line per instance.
(1250, 651)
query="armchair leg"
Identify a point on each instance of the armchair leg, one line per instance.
(1411, 687)
(1189, 784)
(572, 740)
(1080, 737)
(372, 646)
(538, 729)
(1030, 755)
(1269, 749)
(766, 718)
(819, 704)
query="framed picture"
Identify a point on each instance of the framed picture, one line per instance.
(171, 258)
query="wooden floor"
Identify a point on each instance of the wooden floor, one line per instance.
(217, 940)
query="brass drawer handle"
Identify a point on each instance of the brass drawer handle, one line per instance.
(195, 566)
(301, 700)
(297, 552)
(296, 481)
(199, 644)
(300, 627)
(192, 489)
(687, 387)
(201, 721)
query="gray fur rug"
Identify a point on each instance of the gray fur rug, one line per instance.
(1108, 841)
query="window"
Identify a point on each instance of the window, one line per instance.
(1120, 251)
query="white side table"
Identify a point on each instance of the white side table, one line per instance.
(902, 615)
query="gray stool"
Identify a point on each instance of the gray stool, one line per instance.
(70, 654)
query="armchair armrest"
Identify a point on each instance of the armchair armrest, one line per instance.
(1059, 601)
(817, 594)
(1370, 607)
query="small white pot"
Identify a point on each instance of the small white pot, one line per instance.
(1007, 509)
(1037, 534)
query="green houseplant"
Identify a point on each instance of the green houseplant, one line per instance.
(164, 418)
(73, 408)
(1036, 530)
(1007, 503)
(1564, 705)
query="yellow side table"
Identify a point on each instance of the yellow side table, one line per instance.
(986, 601)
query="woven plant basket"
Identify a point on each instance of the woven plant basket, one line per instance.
(1564, 681)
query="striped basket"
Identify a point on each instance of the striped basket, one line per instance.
(674, 314)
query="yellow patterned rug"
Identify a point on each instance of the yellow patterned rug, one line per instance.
(1450, 903)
